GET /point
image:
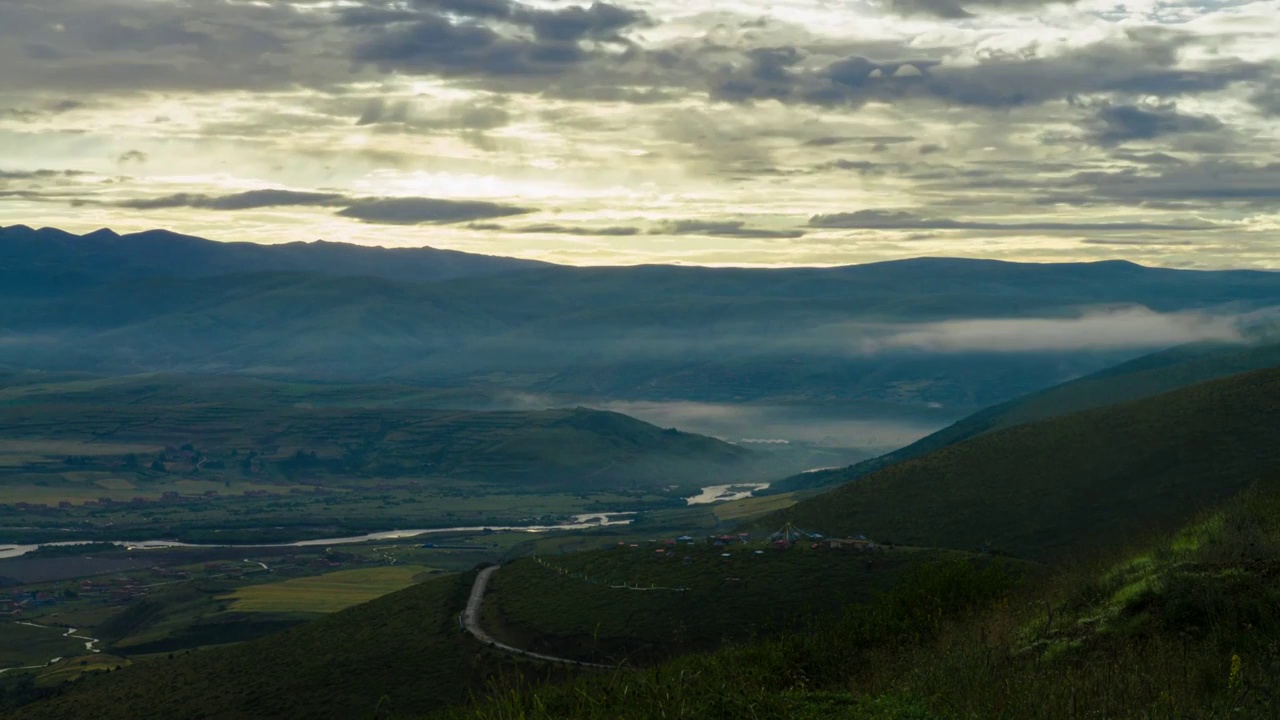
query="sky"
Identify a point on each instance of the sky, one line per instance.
(734, 132)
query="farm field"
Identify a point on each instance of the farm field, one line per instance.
(753, 506)
(324, 593)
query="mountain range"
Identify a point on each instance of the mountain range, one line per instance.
(861, 342)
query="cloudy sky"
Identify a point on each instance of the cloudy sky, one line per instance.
(725, 132)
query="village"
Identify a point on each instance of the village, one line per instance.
(786, 538)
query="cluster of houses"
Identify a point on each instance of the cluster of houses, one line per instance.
(110, 591)
(784, 539)
(18, 602)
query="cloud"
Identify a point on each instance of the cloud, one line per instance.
(904, 220)
(1118, 329)
(132, 156)
(722, 228)
(1267, 98)
(491, 38)
(1142, 62)
(829, 140)
(1114, 124)
(1138, 242)
(41, 174)
(250, 200)
(1204, 183)
(552, 229)
(958, 10)
(862, 167)
(418, 211)
(468, 115)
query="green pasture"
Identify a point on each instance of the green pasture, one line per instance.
(324, 593)
(23, 645)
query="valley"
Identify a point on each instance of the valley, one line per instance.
(272, 486)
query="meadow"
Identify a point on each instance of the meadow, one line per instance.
(635, 605)
(325, 593)
(23, 645)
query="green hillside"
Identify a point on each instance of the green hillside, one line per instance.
(402, 653)
(250, 461)
(581, 605)
(1182, 628)
(556, 448)
(1146, 376)
(1083, 480)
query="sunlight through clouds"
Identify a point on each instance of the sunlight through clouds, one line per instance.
(647, 113)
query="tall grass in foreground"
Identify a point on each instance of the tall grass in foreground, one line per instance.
(1186, 630)
(769, 678)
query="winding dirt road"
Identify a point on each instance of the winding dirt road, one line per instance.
(471, 621)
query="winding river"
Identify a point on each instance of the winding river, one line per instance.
(70, 633)
(577, 522)
(709, 494)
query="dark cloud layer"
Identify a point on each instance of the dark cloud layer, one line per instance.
(722, 228)
(420, 211)
(1115, 124)
(489, 39)
(389, 211)
(903, 220)
(1143, 63)
(581, 51)
(250, 200)
(554, 229)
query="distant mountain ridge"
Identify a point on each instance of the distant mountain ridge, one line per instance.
(29, 256)
(160, 302)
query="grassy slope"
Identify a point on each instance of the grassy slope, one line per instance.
(326, 593)
(404, 647)
(22, 645)
(539, 607)
(1085, 479)
(1144, 377)
(186, 616)
(572, 447)
(770, 678)
(1184, 628)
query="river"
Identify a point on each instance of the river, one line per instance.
(577, 522)
(709, 494)
(725, 493)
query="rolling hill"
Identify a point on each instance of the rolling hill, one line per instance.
(1083, 480)
(861, 338)
(1146, 376)
(49, 260)
(576, 449)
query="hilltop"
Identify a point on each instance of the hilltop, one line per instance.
(1083, 480)
(51, 260)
